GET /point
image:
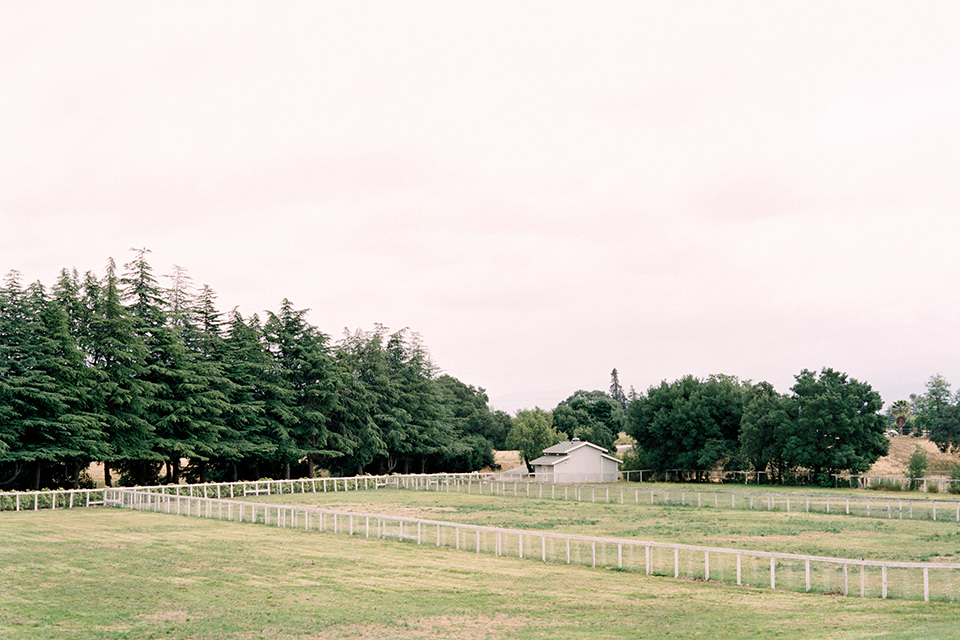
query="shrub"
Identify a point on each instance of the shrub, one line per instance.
(954, 486)
(886, 484)
(917, 466)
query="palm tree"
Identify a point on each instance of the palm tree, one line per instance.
(902, 410)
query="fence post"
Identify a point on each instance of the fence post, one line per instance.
(846, 580)
(773, 572)
(926, 584)
(706, 565)
(568, 550)
(738, 569)
(676, 562)
(883, 572)
(593, 552)
(806, 571)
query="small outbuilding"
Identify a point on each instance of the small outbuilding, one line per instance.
(576, 461)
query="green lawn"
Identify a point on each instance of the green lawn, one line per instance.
(105, 573)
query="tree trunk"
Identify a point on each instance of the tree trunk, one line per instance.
(286, 470)
(175, 468)
(310, 473)
(233, 472)
(106, 475)
(36, 476)
(203, 472)
(75, 477)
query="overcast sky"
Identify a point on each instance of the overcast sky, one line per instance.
(543, 190)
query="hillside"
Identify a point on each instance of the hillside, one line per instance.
(895, 463)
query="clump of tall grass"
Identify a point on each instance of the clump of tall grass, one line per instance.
(885, 484)
(954, 486)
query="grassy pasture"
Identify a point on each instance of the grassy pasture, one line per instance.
(109, 574)
(796, 532)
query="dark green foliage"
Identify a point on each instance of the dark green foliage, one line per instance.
(837, 425)
(143, 377)
(468, 411)
(46, 403)
(593, 416)
(690, 424)
(767, 416)
(532, 432)
(917, 465)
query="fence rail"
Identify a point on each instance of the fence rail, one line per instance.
(849, 577)
(855, 505)
(72, 498)
(55, 499)
(839, 504)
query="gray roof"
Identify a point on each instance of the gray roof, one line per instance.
(548, 460)
(570, 445)
(559, 452)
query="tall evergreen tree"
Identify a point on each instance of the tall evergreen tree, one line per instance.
(46, 391)
(118, 358)
(305, 366)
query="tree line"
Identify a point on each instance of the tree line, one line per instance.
(828, 423)
(934, 413)
(121, 370)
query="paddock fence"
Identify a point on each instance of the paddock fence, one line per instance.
(887, 506)
(839, 504)
(761, 569)
(73, 498)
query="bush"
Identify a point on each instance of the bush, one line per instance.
(886, 484)
(917, 466)
(954, 486)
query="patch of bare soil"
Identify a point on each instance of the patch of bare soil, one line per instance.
(901, 447)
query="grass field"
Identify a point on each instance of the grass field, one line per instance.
(104, 573)
(801, 533)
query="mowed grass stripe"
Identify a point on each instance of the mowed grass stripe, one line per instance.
(105, 573)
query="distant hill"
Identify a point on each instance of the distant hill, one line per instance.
(895, 463)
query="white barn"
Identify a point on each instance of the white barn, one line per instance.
(576, 461)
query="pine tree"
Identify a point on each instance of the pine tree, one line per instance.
(46, 390)
(118, 358)
(305, 366)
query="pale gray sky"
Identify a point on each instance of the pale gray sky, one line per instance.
(543, 190)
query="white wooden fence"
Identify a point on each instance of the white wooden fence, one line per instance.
(849, 577)
(842, 504)
(71, 498)
(56, 499)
